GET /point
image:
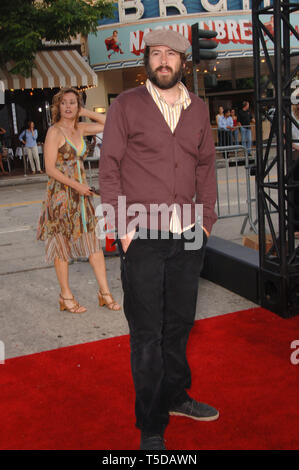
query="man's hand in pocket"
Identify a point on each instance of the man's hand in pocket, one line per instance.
(127, 239)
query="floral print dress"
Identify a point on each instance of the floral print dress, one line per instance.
(67, 222)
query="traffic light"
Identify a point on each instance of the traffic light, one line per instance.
(201, 48)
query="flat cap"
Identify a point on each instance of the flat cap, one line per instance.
(167, 37)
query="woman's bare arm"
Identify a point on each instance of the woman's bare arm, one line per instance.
(92, 128)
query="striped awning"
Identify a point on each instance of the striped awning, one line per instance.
(53, 69)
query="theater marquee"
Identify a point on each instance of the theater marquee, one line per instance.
(122, 45)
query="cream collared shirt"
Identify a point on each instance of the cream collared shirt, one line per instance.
(171, 114)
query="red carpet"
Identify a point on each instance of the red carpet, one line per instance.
(81, 397)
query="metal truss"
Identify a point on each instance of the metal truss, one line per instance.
(276, 182)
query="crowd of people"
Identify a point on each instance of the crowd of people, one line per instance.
(231, 123)
(29, 140)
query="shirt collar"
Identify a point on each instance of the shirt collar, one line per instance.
(184, 99)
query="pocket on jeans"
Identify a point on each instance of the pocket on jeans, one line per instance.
(124, 254)
(132, 243)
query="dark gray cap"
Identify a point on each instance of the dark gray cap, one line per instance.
(167, 37)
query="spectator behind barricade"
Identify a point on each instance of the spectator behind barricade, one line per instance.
(2, 132)
(225, 126)
(98, 140)
(220, 113)
(29, 138)
(244, 121)
(295, 148)
(235, 131)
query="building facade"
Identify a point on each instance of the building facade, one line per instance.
(116, 51)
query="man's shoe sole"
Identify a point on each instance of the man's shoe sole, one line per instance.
(207, 418)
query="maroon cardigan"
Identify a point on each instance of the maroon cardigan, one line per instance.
(143, 160)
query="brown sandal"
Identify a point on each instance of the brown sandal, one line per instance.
(111, 305)
(74, 309)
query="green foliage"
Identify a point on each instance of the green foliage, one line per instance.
(24, 24)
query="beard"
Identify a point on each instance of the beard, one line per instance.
(164, 82)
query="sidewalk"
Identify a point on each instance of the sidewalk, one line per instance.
(31, 320)
(18, 179)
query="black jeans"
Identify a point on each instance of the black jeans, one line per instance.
(160, 282)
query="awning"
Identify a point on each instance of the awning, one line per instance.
(53, 69)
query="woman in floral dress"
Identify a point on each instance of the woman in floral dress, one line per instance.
(67, 222)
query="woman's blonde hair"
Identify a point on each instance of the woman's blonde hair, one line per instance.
(57, 99)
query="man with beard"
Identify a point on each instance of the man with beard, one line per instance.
(158, 151)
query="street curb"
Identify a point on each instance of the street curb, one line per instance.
(19, 180)
(23, 180)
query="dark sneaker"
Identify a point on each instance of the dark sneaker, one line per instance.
(195, 410)
(152, 442)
